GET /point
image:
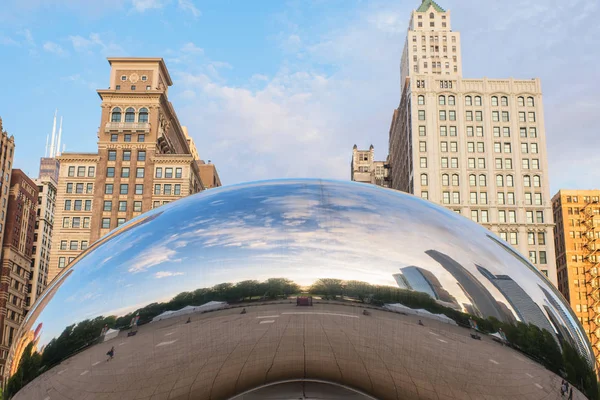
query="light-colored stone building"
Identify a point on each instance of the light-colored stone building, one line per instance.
(42, 237)
(577, 240)
(145, 159)
(477, 146)
(15, 271)
(364, 168)
(7, 150)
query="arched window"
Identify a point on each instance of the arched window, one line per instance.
(499, 180)
(130, 115)
(537, 181)
(530, 101)
(116, 115)
(521, 101)
(421, 100)
(473, 180)
(510, 181)
(494, 101)
(445, 180)
(468, 100)
(431, 15)
(451, 100)
(455, 180)
(477, 100)
(482, 180)
(504, 101)
(526, 181)
(143, 115)
(442, 100)
(424, 180)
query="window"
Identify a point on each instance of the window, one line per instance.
(425, 195)
(469, 115)
(505, 116)
(126, 155)
(141, 156)
(143, 115)
(88, 205)
(470, 147)
(521, 101)
(507, 148)
(115, 115)
(107, 205)
(122, 206)
(538, 199)
(501, 216)
(501, 198)
(168, 173)
(112, 155)
(509, 181)
(537, 181)
(532, 257)
(510, 198)
(504, 101)
(78, 204)
(86, 222)
(124, 188)
(452, 131)
(424, 180)
(422, 131)
(71, 171)
(67, 205)
(118, 87)
(444, 162)
(137, 206)
(481, 163)
(531, 238)
(479, 130)
(483, 198)
(478, 116)
(445, 180)
(472, 180)
(139, 172)
(471, 162)
(532, 133)
(530, 101)
(454, 162)
(158, 173)
(105, 223)
(495, 116)
(455, 197)
(454, 147)
(79, 188)
(423, 162)
(73, 245)
(442, 115)
(496, 131)
(130, 112)
(91, 172)
(421, 100)
(468, 101)
(141, 137)
(443, 131)
(76, 222)
(108, 188)
(84, 244)
(66, 222)
(480, 147)
(541, 238)
(535, 163)
(497, 147)
(482, 180)
(177, 189)
(422, 146)
(494, 101)
(125, 172)
(156, 189)
(167, 189)
(525, 163)
(513, 238)
(139, 189)
(178, 172)
(534, 148)
(421, 115)
(452, 115)
(512, 217)
(61, 262)
(473, 197)
(498, 163)
(484, 216)
(539, 217)
(63, 244)
(451, 100)
(477, 100)
(455, 180)
(446, 197)
(526, 181)
(120, 221)
(470, 131)
(441, 100)
(521, 116)
(499, 180)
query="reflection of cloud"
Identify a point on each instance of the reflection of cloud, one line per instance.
(153, 257)
(166, 274)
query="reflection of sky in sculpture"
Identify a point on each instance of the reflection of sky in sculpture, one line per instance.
(297, 229)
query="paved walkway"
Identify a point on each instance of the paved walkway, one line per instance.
(224, 353)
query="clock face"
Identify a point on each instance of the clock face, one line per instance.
(134, 78)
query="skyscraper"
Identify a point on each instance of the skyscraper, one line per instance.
(476, 146)
(16, 257)
(145, 159)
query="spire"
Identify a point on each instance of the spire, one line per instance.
(58, 141)
(53, 135)
(46, 152)
(425, 4)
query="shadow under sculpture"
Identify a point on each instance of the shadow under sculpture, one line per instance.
(198, 300)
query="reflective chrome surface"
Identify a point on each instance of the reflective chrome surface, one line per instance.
(405, 298)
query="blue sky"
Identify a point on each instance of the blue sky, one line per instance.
(274, 89)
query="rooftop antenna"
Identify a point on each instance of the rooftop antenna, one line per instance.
(53, 135)
(58, 141)
(64, 147)
(46, 152)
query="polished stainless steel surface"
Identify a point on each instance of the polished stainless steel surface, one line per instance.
(409, 301)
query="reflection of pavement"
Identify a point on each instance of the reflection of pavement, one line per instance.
(223, 353)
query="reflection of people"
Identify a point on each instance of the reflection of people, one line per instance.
(243, 311)
(111, 353)
(421, 323)
(571, 393)
(188, 320)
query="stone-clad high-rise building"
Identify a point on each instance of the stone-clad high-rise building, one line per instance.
(17, 245)
(476, 146)
(145, 159)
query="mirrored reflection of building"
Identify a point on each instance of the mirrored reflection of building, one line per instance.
(424, 281)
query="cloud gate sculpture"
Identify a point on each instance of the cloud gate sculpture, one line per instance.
(300, 289)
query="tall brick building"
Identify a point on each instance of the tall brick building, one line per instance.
(16, 257)
(145, 159)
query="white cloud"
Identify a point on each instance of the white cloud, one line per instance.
(7, 41)
(95, 42)
(153, 257)
(166, 274)
(143, 5)
(54, 48)
(26, 33)
(191, 48)
(188, 6)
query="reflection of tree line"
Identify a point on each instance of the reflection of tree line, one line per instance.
(528, 338)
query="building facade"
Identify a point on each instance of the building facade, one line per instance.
(145, 159)
(476, 146)
(364, 168)
(7, 151)
(577, 240)
(42, 238)
(16, 257)
(208, 174)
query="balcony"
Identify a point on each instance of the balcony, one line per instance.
(127, 126)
